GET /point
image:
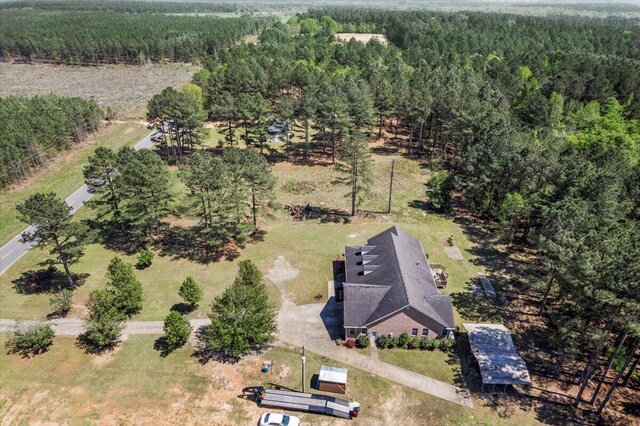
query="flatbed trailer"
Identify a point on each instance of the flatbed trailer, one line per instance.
(307, 402)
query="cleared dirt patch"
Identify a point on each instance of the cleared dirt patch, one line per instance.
(127, 88)
(364, 38)
(282, 271)
(454, 253)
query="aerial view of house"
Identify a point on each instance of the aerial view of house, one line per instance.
(389, 289)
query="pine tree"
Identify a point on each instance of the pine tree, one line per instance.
(242, 319)
(190, 292)
(176, 330)
(125, 287)
(355, 158)
(51, 218)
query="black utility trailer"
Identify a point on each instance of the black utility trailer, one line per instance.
(307, 402)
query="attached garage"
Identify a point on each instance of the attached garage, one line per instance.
(332, 379)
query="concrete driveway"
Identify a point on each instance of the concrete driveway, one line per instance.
(315, 326)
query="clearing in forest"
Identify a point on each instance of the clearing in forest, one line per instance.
(364, 38)
(126, 88)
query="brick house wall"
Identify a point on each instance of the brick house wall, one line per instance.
(405, 321)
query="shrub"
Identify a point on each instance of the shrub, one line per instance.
(424, 343)
(414, 343)
(340, 342)
(145, 257)
(439, 190)
(61, 302)
(176, 330)
(350, 344)
(446, 344)
(190, 292)
(30, 339)
(383, 342)
(403, 341)
(362, 341)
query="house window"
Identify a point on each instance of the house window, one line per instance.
(425, 332)
(363, 330)
(444, 332)
(414, 332)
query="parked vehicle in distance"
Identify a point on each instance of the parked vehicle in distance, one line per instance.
(276, 419)
(279, 126)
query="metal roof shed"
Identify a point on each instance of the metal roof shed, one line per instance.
(493, 348)
(332, 379)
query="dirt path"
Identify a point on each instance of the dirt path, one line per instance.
(75, 326)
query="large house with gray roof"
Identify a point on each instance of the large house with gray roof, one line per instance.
(389, 289)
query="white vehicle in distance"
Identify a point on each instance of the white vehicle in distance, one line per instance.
(275, 419)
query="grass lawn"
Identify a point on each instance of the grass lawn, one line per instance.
(134, 385)
(437, 364)
(64, 173)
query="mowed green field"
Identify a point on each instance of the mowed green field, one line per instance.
(63, 175)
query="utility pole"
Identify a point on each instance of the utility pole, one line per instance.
(333, 138)
(304, 361)
(393, 162)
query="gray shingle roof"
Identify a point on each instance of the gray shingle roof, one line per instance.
(390, 273)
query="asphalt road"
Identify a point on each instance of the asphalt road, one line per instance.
(15, 249)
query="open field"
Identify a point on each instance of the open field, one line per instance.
(63, 175)
(134, 385)
(125, 88)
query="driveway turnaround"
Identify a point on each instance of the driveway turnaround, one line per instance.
(15, 249)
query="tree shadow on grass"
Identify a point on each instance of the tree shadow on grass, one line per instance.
(204, 354)
(183, 308)
(89, 347)
(190, 244)
(116, 237)
(160, 345)
(46, 280)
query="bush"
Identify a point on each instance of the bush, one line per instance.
(190, 292)
(439, 190)
(446, 344)
(403, 340)
(145, 258)
(350, 344)
(414, 343)
(433, 344)
(61, 302)
(385, 342)
(362, 341)
(176, 330)
(340, 342)
(30, 339)
(424, 343)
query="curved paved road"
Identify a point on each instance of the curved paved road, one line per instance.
(15, 249)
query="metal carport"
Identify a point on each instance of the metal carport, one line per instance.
(493, 348)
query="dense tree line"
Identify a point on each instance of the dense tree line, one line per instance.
(584, 59)
(123, 6)
(36, 128)
(105, 37)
